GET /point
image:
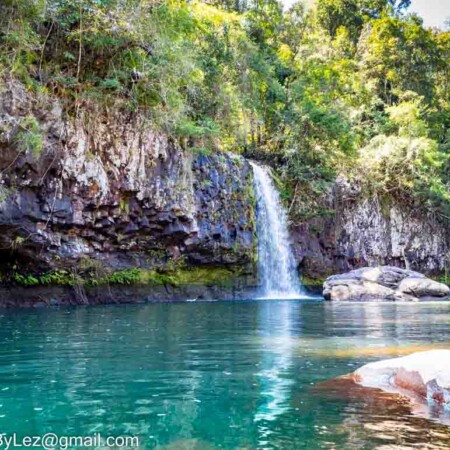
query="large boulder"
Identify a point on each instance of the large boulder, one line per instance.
(421, 376)
(384, 283)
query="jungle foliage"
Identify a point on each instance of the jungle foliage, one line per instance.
(357, 87)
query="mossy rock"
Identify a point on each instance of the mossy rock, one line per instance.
(203, 276)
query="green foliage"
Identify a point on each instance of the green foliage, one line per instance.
(404, 165)
(352, 14)
(58, 278)
(408, 163)
(61, 278)
(398, 55)
(201, 151)
(315, 91)
(312, 282)
(444, 279)
(205, 129)
(29, 137)
(128, 276)
(175, 275)
(26, 280)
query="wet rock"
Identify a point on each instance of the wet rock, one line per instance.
(120, 184)
(108, 221)
(423, 376)
(423, 288)
(174, 252)
(144, 223)
(384, 283)
(130, 228)
(177, 230)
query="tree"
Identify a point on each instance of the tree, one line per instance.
(352, 14)
(398, 55)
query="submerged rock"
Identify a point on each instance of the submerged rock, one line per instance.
(383, 283)
(386, 415)
(421, 376)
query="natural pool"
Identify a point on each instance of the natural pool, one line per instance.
(229, 375)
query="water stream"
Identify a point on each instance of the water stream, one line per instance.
(276, 265)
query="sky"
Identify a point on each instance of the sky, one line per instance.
(434, 12)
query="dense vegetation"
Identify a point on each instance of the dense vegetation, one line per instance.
(344, 86)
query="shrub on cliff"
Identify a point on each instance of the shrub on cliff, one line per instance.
(305, 89)
(407, 163)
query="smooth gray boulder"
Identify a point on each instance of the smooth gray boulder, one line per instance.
(384, 283)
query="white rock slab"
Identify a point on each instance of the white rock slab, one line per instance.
(423, 375)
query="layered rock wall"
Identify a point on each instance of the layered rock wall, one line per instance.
(370, 231)
(106, 187)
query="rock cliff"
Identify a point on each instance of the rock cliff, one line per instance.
(100, 191)
(105, 188)
(370, 231)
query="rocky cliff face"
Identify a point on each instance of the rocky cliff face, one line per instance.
(369, 232)
(108, 188)
(104, 189)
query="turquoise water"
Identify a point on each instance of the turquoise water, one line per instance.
(229, 375)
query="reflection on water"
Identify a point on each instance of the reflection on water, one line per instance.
(229, 375)
(387, 418)
(276, 323)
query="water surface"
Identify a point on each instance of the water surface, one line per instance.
(228, 375)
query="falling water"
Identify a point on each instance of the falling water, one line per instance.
(276, 264)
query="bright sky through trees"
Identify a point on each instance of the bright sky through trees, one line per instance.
(434, 12)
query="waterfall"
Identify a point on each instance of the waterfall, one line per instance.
(276, 265)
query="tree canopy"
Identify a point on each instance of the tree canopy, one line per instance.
(334, 88)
